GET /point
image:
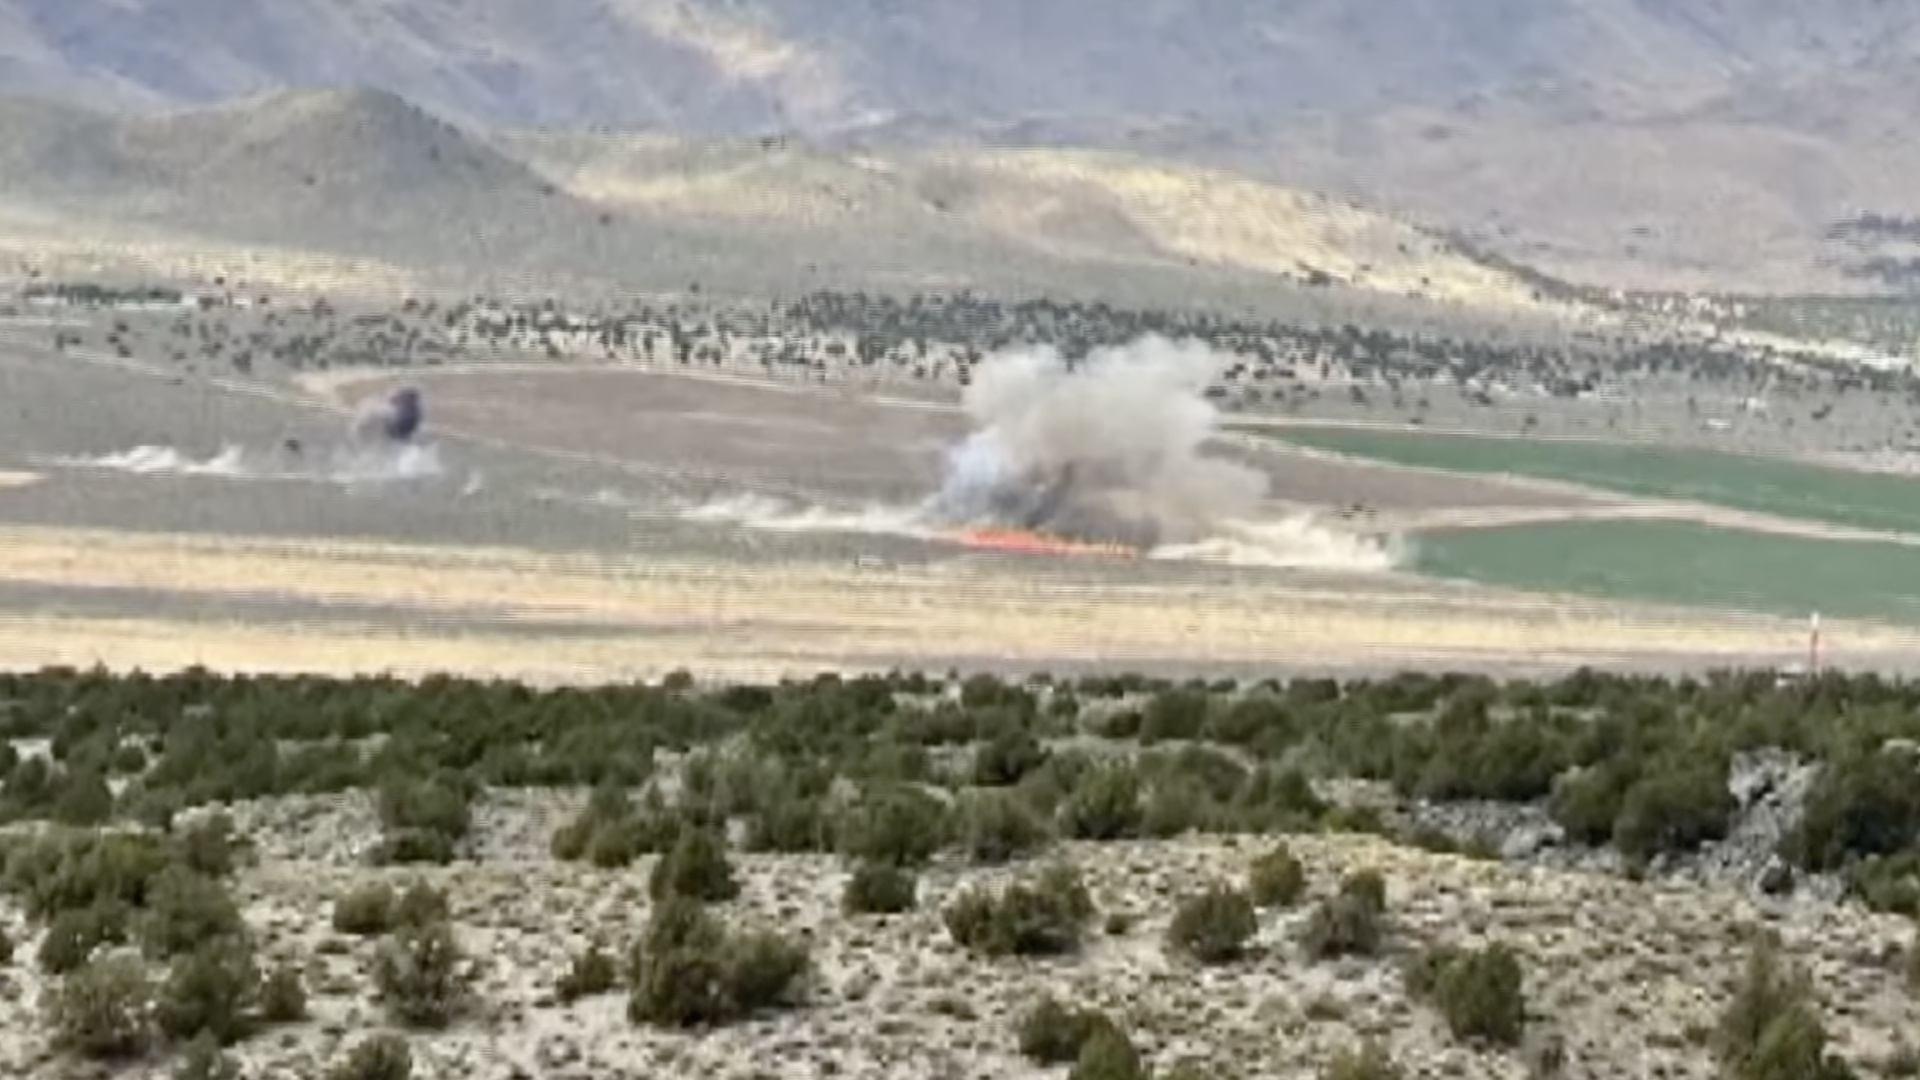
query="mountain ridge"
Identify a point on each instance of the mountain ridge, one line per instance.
(365, 174)
(734, 66)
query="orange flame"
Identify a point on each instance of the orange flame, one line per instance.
(1029, 542)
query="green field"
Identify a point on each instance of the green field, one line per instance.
(1737, 481)
(1681, 562)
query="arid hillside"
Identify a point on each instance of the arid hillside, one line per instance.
(1692, 144)
(289, 179)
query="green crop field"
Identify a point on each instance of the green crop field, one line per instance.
(1737, 481)
(1683, 562)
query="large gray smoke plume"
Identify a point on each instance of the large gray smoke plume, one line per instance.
(1106, 450)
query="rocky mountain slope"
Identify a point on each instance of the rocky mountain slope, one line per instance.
(727, 64)
(366, 175)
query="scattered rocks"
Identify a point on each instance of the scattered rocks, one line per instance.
(1622, 970)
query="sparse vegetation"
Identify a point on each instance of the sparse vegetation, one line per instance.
(1042, 917)
(594, 971)
(877, 888)
(376, 1057)
(1053, 1034)
(1479, 992)
(418, 974)
(150, 949)
(690, 972)
(1770, 1030)
(1352, 921)
(1276, 879)
(1214, 926)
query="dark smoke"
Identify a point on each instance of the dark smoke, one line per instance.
(394, 420)
(1106, 451)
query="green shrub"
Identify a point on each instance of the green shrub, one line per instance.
(103, 1010)
(764, 971)
(74, 934)
(203, 1059)
(1278, 800)
(1889, 883)
(1770, 1031)
(898, 825)
(1008, 756)
(213, 990)
(421, 904)
(1587, 803)
(185, 909)
(1861, 805)
(1214, 926)
(1480, 993)
(366, 910)
(70, 871)
(677, 976)
(687, 972)
(417, 975)
(996, 827)
(1174, 714)
(879, 889)
(1104, 805)
(377, 1057)
(593, 972)
(1044, 917)
(283, 995)
(792, 824)
(1276, 879)
(208, 845)
(1674, 810)
(1347, 924)
(612, 832)
(696, 868)
(424, 818)
(1793, 1047)
(1370, 1062)
(1177, 805)
(1107, 1055)
(1052, 1034)
(1369, 886)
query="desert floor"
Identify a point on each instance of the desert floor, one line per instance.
(1627, 974)
(551, 538)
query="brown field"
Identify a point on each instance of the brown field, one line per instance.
(502, 580)
(869, 446)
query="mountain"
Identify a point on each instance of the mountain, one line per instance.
(1655, 143)
(306, 176)
(805, 65)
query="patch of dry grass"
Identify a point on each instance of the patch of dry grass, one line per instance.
(1229, 219)
(662, 613)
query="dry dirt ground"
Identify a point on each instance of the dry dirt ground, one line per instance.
(1628, 975)
(550, 549)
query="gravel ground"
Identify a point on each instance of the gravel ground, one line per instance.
(1622, 975)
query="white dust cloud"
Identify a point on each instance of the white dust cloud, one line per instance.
(344, 465)
(1110, 449)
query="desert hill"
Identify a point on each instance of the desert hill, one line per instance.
(736, 65)
(1748, 190)
(364, 174)
(1675, 144)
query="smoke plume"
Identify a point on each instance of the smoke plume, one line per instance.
(393, 419)
(1107, 450)
(380, 446)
